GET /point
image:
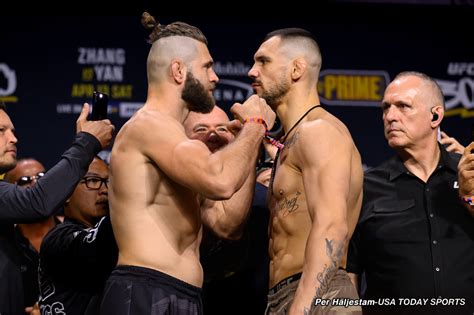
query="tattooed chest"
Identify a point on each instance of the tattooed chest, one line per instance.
(288, 204)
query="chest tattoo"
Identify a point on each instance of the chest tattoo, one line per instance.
(289, 205)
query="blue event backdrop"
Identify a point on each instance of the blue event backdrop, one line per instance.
(50, 66)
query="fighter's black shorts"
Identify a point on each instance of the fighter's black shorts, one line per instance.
(142, 291)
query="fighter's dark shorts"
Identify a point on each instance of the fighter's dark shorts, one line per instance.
(142, 291)
(281, 296)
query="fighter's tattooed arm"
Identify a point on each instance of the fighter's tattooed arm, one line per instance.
(326, 167)
(334, 251)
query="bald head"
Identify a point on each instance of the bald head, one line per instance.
(211, 128)
(24, 167)
(216, 116)
(432, 91)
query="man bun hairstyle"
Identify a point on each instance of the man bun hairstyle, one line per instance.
(158, 30)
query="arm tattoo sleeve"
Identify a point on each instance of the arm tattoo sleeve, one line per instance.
(334, 251)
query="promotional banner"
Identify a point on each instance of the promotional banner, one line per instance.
(51, 66)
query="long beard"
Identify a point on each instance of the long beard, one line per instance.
(196, 96)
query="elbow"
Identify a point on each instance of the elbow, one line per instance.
(224, 227)
(220, 190)
(224, 193)
(229, 234)
(343, 233)
(338, 231)
(234, 234)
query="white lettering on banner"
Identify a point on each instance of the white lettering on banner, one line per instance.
(109, 73)
(460, 68)
(231, 69)
(232, 91)
(126, 109)
(102, 69)
(101, 56)
(461, 92)
(64, 108)
(10, 76)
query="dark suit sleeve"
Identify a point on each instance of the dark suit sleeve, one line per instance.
(18, 205)
(353, 256)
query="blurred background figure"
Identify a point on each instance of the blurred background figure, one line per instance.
(40, 201)
(78, 255)
(233, 270)
(28, 236)
(213, 128)
(451, 144)
(264, 172)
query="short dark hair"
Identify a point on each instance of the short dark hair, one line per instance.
(3, 106)
(174, 29)
(304, 42)
(290, 32)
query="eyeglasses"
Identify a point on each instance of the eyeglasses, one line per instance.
(26, 180)
(94, 182)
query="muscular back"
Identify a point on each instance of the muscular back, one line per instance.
(156, 221)
(317, 185)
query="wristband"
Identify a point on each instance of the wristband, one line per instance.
(267, 133)
(257, 120)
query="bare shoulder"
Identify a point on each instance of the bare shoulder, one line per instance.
(147, 125)
(325, 139)
(325, 129)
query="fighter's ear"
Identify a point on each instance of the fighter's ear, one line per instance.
(298, 69)
(178, 70)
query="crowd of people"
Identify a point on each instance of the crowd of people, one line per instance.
(193, 216)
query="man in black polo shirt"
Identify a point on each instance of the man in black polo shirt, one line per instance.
(415, 237)
(77, 257)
